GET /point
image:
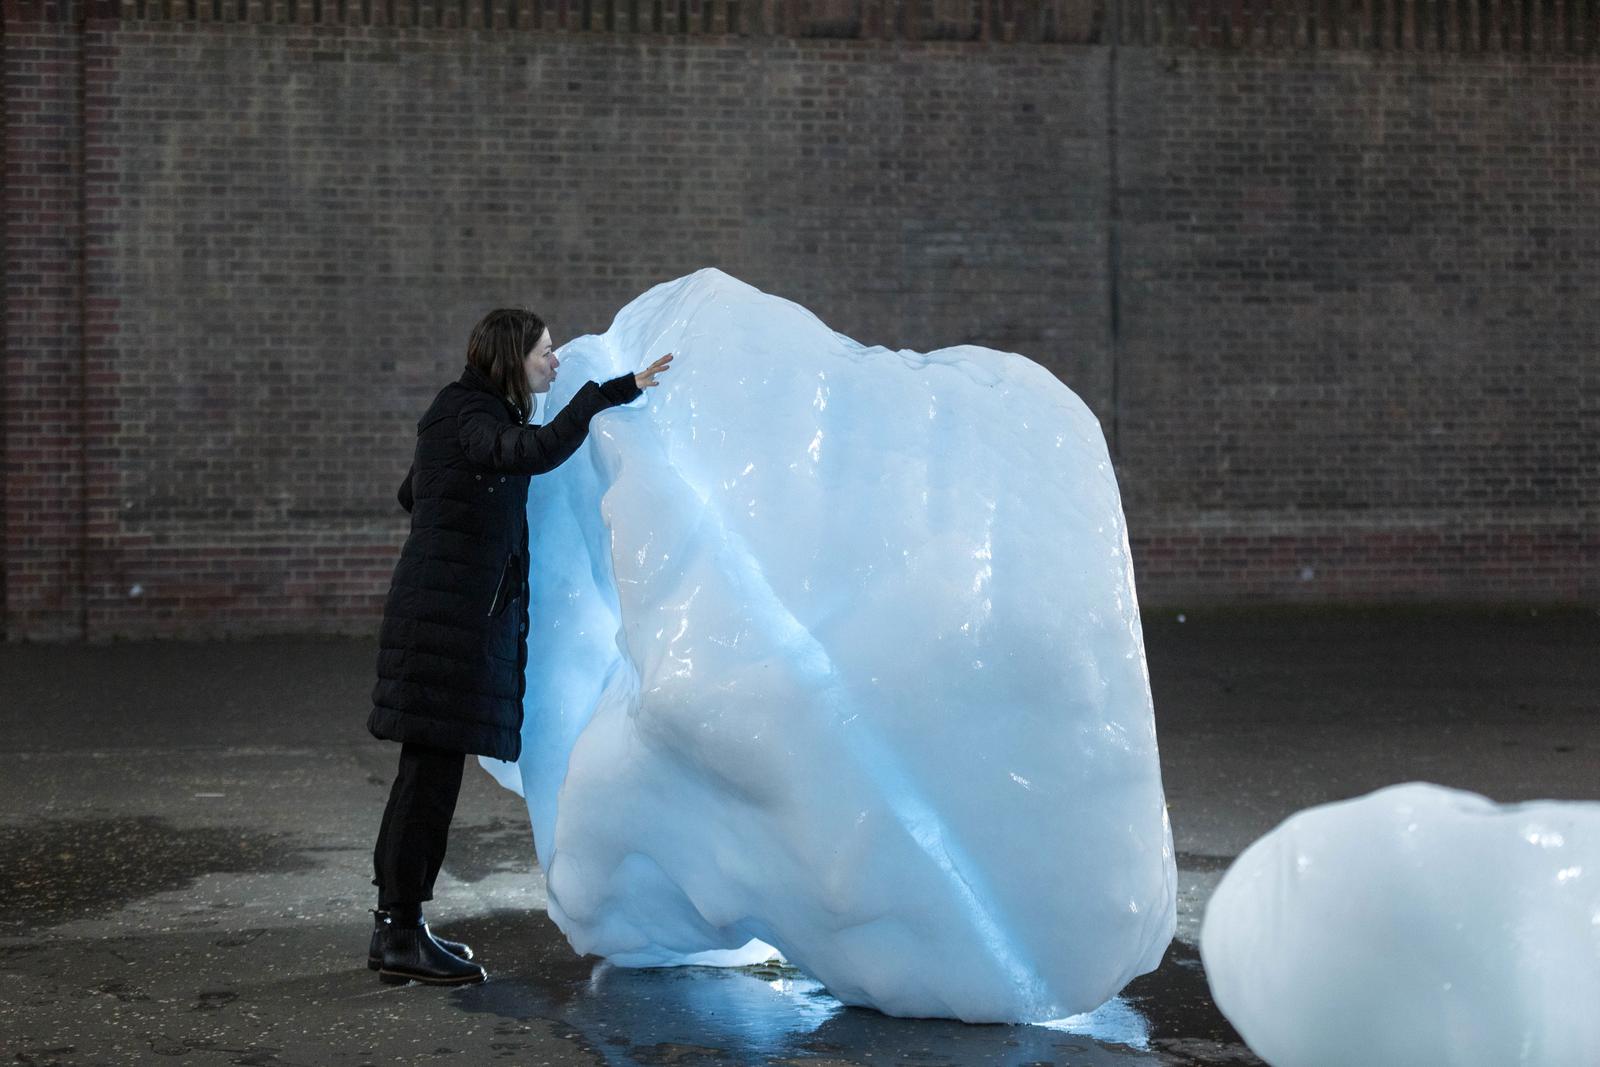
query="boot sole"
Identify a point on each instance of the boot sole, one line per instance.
(374, 962)
(388, 977)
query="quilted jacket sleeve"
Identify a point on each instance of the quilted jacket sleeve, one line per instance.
(490, 441)
(404, 496)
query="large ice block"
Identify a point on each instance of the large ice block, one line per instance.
(1414, 925)
(835, 650)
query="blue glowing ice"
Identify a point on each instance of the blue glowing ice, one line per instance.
(835, 651)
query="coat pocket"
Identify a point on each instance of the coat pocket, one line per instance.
(503, 591)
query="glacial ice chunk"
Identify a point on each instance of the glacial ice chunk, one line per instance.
(835, 653)
(1414, 925)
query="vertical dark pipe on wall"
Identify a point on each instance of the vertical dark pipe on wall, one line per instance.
(78, 13)
(1113, 228)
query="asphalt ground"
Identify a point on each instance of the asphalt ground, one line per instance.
(186, 839)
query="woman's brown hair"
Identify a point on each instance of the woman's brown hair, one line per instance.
(498, 345)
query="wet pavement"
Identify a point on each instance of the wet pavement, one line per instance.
(186, 833)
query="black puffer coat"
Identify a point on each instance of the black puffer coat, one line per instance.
(452, 651)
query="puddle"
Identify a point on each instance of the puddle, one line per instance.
(60, 870)
(775, 1013)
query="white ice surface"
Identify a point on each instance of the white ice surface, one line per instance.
(835, 650)
(1414, 925)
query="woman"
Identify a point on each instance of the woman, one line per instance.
(453, 645)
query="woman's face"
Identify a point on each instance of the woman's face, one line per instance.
(540, 364)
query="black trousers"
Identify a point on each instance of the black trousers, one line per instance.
(416, 824)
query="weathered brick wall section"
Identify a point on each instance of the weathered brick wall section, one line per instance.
(1354, 358)
(1360, 353)
(42, 515)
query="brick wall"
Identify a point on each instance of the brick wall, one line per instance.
(1330, 305)
(1360, 358)
(43, 441)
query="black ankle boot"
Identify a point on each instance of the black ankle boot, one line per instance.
(380, 920)
(410, 954)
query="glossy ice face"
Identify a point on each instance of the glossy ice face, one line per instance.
(1416, 924)
(835, 650)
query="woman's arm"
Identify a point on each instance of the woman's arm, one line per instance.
(404, 495)
(490, 441)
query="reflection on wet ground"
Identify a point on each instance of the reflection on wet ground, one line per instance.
(772, 1012)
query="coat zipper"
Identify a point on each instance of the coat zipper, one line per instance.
(495, 605)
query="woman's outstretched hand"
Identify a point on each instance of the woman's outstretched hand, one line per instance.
(647, 377)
